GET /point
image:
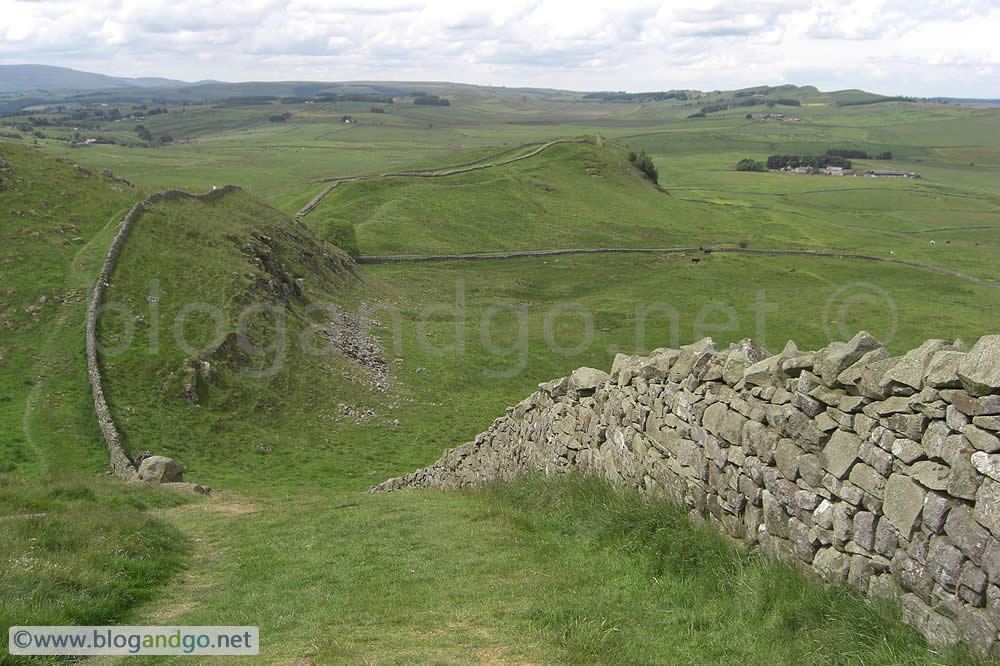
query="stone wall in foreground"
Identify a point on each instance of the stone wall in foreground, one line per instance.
(880, 471)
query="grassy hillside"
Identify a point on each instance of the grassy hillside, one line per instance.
(233, 368)
(281, 415)
(76, 548)
(57, 222)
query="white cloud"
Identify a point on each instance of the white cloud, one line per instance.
(945, 48)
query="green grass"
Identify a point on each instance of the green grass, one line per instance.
(81, 551)
(544, 571)
(57, 223)
(569, 573)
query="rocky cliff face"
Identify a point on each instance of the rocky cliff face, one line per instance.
(880, 471)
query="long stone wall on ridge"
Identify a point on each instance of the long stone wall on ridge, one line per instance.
(880, 471)
(122, 464)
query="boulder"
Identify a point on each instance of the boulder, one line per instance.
(160, 469)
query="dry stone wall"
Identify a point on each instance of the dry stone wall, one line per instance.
(122, 464)
(879, 471)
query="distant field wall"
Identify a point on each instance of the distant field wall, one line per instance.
(121, 462)
(847, 463)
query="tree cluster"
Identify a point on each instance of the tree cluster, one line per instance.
(814, 161)
(749, 164)
(431, 100)
(342, 234)
(644, 163)
(279, 117)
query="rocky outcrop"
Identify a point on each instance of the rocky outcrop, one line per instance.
(122, 464)
(849, 463)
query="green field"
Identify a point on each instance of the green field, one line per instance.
(296, 430)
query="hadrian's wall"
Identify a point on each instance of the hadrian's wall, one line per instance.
(121, 463)
(880, 471)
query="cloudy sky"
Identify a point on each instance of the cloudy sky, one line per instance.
(911, 47)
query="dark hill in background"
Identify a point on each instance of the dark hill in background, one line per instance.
(14, 78)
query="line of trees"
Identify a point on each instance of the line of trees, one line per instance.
(637, 97)
(430, 100)
(858, 154)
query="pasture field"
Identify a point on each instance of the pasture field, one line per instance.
(553, 573)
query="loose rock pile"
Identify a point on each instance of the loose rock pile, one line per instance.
(880, 471)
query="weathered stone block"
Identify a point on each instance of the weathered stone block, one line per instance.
(912, 368)
(986, 464)
(936, 507)
(929, 474)
(588, 379)
(724, 422)
(786, 457)
(955, 419)
(692, 359)
(908, 425)
(944, 562)
(934, 440)
(823, 515)
(843, 521)
(904, 501)
(966, 533)
(741, 356)
(885, 538)
(775, 517)
(864, 530)
(840, 453)
(937, 629)
(803, 430)
(987, 511)
(880, 460)
(979, 371)
(860, 572)
(987, 422)
(906, 450)
(866, 478)
(837, 357)
(981, 439)
(832, 565)
(942, 372)
(973, 578)
(913, 575)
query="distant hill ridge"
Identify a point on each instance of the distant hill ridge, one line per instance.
(15, 78)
